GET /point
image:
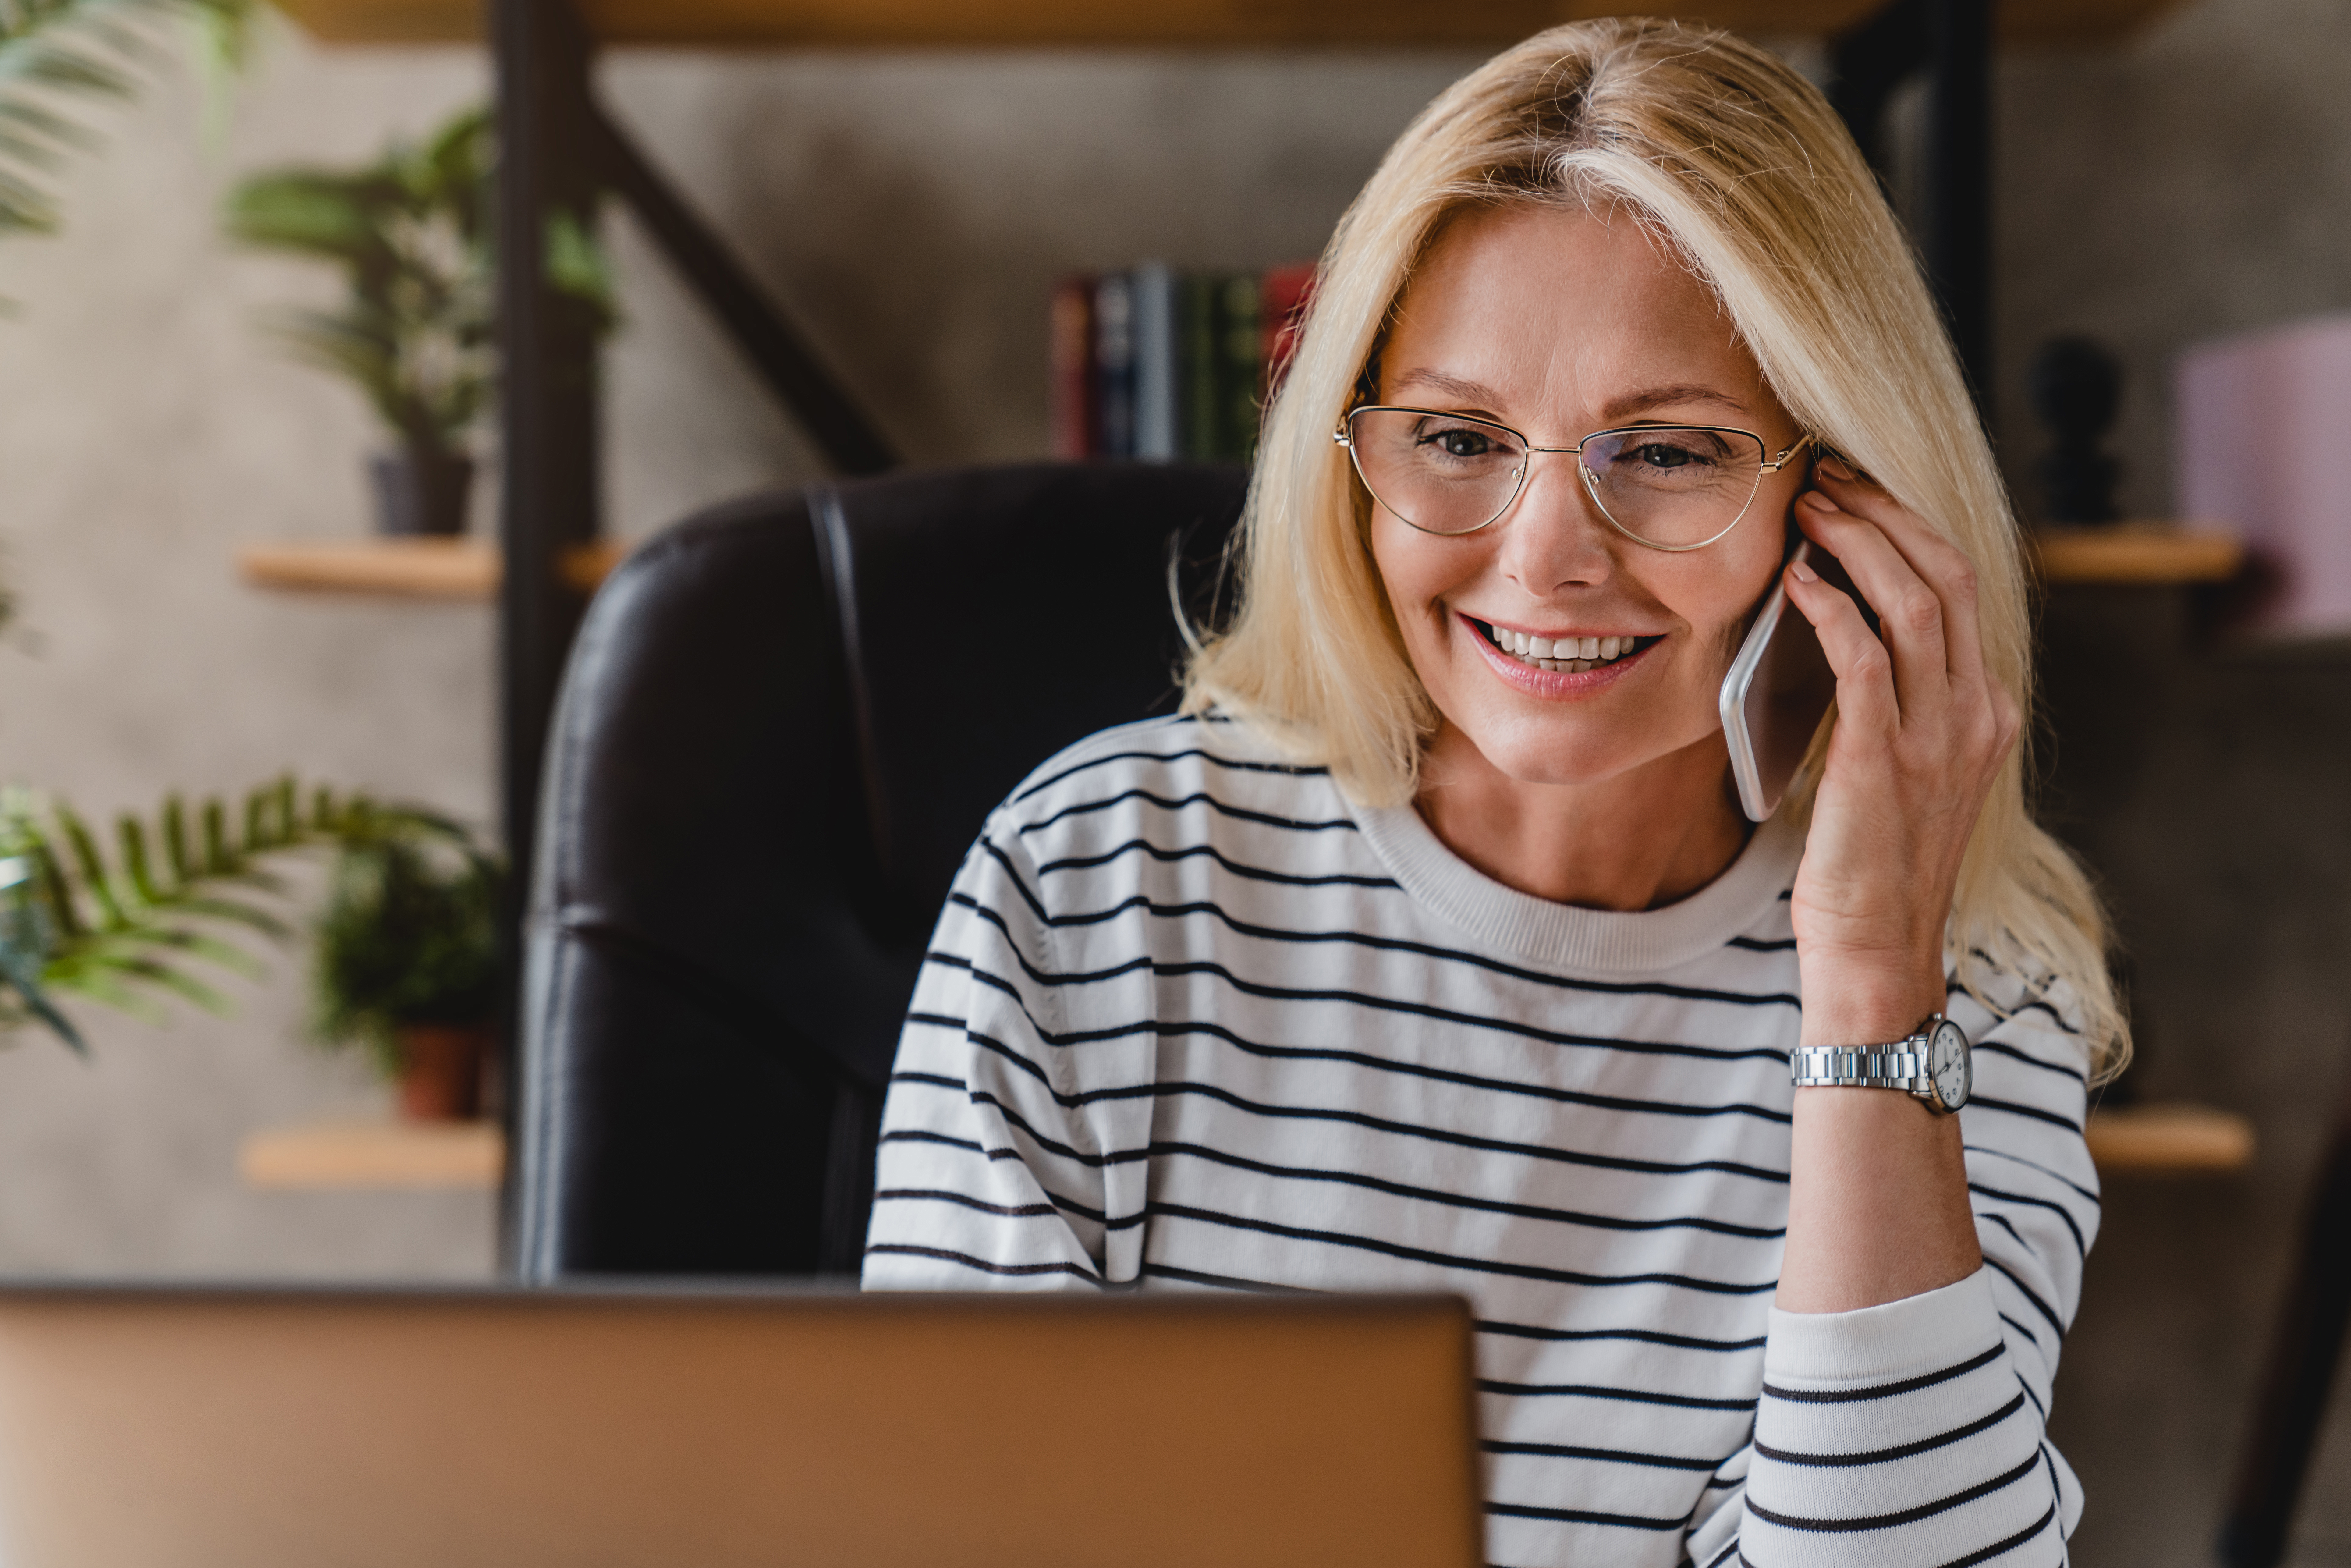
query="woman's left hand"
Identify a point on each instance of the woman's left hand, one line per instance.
(1922, 731)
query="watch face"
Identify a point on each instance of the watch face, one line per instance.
(1947, 1059)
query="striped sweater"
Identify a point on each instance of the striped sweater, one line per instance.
(1192, 1018)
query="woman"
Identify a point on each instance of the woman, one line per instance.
(1432, 949)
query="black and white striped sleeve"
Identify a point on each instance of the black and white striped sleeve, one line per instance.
(988, 1176)
(1914, 1433)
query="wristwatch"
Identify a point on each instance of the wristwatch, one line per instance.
(1933, 1065)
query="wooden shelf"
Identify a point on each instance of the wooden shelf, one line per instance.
(932, 24)
(358, 1155)
(2135, 553)
(459, 569)
(2169, 1137)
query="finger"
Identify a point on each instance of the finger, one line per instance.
(1863, 669)
(1941, 564)
(1910, 613)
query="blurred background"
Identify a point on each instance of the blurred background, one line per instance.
(2185, 181)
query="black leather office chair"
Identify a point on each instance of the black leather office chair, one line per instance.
(783, 724)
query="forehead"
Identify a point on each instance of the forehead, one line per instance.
(1548, 304)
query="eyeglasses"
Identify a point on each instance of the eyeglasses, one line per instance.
(1668, 487)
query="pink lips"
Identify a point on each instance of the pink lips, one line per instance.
(1552, 683)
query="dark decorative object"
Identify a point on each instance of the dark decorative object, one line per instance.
(2077, 384)
(421, 492)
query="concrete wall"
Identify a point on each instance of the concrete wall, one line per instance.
(145, 430)
(915, 210)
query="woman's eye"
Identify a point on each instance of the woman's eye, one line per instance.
(1463, 443)
(1660, 455)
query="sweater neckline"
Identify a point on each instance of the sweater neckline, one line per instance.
(1564, 936)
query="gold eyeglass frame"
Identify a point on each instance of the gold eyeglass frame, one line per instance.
(1344, 437)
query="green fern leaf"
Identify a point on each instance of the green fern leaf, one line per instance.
(175, 840)
(130, 834)
(94, 878)
(218, 860)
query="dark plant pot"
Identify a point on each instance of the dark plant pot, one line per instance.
(441, 1070)
(416, 494)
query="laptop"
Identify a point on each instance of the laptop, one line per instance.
(176, 1427)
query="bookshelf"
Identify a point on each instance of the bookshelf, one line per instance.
(2150, 554)
(374, 1155)
(2177, 1139)
(461, 570)
(382, 1155)
(468, 571)
(387, 1156)
(1212, 23)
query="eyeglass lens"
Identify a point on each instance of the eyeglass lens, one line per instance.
(1448, 473)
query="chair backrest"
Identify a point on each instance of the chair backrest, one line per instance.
(782, 724)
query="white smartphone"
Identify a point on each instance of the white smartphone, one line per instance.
(1779, 690)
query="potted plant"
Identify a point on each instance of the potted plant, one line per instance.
(407, 958)
(414, 334)
(406, 963)
(409, 233)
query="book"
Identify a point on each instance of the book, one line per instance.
(1160, 364)
(1072, 366)
(1241, 375)
(1158, 391)
(1284, 298)
(1114, 369)
(1202, 351)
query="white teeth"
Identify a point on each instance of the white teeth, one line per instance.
(1567, 654)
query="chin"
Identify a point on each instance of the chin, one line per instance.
(1558, 754)
(1572, 749)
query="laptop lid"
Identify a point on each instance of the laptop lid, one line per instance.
(229, 1428)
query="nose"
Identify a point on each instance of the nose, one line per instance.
(1554, 537)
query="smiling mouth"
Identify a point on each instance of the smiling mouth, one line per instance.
(1569, 655)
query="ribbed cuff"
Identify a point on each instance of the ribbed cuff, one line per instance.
(1909, 1338)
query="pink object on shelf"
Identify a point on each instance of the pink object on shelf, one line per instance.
(2261, 427)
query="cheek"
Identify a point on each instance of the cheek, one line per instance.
(1417, 571)
(1722, 596)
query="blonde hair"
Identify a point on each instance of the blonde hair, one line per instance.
(1738, 162)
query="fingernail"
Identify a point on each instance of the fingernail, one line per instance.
(1820, 501)
(1804, 573)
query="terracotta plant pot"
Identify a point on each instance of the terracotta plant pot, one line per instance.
(441, 1070)
(422, 495)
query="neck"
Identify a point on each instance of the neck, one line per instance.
(1638, 841)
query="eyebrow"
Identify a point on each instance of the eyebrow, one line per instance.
(1664, 397)
(1477, 395)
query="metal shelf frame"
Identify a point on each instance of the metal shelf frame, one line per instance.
(559, 152)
